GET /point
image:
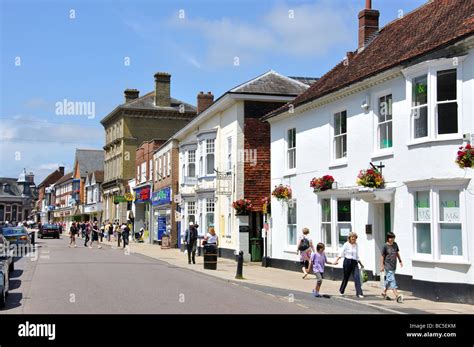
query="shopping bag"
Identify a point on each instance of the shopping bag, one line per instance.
(382, 279)
(364, 277)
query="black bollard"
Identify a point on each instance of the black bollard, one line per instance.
(240, 266)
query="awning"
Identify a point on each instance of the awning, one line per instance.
(370, 195)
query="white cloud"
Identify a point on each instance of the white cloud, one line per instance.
(37, 103)
(306, 31)
(191, 60)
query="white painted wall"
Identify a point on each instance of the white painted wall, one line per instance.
(408, 163)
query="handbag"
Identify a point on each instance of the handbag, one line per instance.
(364, 277)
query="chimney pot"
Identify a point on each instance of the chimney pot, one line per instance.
(162, 89)
(131, 94)
(204, 101)
(368, 4)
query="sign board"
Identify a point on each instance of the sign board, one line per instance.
(345, 231)
(451, 214)
(177, 199)
(142, 194)
(161, 197)
(424, 214)
(119, 199)
(224, 184)
(264, 234)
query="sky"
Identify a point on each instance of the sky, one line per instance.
(91, 51)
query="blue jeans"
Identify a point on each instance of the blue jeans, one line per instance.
(350, 266)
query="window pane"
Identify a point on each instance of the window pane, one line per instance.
(326, 210)
(292, 138)
(422, 206)
(344, 210)
(337, 124)
(386, 135)
(192, 170)
(292, 158)
(343, 232)
(385, 108)
(292, 234)
(292, 214)
(341, 146)
(451, 239)
(420, 91)
(327, 234)
(343, 122)
(420, 116)
(449, 206)
(210, 164)
(446, 85)
(448, 118)
(423, 238)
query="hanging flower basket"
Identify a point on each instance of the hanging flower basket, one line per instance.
(322, 183)
(282, 193)
(370, 178)
(242, 207)
(465, 157)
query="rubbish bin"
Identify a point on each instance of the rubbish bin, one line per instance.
(256, 249)
(210, 256)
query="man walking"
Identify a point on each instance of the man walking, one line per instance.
(190, 238)
(125, 234)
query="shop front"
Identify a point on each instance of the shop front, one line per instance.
(142, 208)
(94, 212)
(163, 218)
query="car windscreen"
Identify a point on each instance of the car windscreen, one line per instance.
(50, 226)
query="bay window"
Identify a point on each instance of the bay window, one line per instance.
(191, 163)
(210, 156)
(438, 223)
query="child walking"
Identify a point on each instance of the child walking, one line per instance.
(390, 253)
(317, 261)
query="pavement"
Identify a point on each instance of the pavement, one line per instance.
(290, 281)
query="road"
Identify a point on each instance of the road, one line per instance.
(56, 279)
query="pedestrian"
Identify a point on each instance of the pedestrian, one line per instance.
(108, 230)
(190, 237)
(95, 235)
(317, 262)
(83, 229)
(390, 253)
(87, 233)
(305, 248)
(211, 237)
(350, 253)
(118, 231)
(102, 231)
(72, 235)
(125, 234)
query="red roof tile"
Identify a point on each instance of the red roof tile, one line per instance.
(430, 27)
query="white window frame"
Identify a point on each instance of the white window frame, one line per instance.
(323, 233)
(143, 172)
(190, 157)
(229, 154)
(435, 222)
(150, 178)
(431, 68)
(288, 244)
(290, 149)
(228, 232)
(210, 148)
(377, 151)
(343, 159)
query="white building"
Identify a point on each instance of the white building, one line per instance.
(224, 156)
(93, 195)
(405, 99)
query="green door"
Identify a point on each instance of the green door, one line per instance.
(387, 215)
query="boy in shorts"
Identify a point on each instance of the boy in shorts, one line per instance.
(390, 254)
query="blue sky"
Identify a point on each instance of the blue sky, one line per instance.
(79, 51)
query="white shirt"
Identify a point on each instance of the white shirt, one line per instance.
(350, 251)
(211, 238)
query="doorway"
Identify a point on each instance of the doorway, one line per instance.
(384, 226)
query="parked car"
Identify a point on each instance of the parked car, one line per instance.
(6, 266)
(49, 230)
(17, 235)
(5, 253)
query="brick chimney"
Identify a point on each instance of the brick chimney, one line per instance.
(131, 94)
(61, 170)
(204, 101)
(368, 23)
(162, 89)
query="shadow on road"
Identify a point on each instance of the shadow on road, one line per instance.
(13, 301)
(16, 273)
(14, 284)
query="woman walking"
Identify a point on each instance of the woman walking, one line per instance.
(95, 235)
(72, 235)
(305, 249)
(350, 253)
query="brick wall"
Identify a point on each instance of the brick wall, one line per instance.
(257, 151)
(144, 153)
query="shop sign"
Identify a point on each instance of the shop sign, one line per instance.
(142, 194)
(119, 199)
(161, 226)
(162, 197)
